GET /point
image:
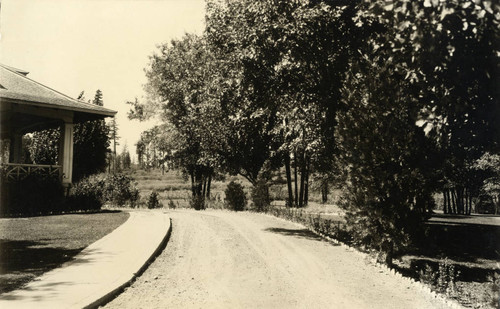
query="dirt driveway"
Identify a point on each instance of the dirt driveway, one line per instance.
(221, 259)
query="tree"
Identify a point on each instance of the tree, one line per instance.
(176, 80)
(288, 62)
(113, 136)
(415, 99)
(388, 190)
(125, 158)
(460, 63)
(43, 146)
(488, 166)
(90, 145)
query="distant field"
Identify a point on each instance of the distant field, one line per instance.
(172, 186)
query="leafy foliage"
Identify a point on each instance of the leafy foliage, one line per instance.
(235, 196)
(87, 194)
(43, 146)
(96, 190)
(119, 190)
(260, 195)
(90, 145)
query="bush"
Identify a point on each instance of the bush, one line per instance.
(197, 202)
(260, 196)
(153, 201)
(235, 196)
(87, 194)
(92, 192)
(33, 195)
(119, 190)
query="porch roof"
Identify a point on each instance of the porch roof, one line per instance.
(15, 87)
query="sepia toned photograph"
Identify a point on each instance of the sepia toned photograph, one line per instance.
(250, 154)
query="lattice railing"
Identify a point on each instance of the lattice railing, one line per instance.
(14, 171)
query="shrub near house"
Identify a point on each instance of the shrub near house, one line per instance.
(92, 192)
(33, 195)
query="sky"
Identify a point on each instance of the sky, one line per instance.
(85, 45)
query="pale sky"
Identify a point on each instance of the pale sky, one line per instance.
(76, 45)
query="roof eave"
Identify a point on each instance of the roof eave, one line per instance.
(106, 113)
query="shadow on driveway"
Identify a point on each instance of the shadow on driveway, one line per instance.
(299, 233)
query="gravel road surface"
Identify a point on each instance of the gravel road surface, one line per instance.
(222, 259)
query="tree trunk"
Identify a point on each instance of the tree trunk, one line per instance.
(209, 184)
(445, 203)
(466, 201)
(204, 186)
(324, 192)
(460, 200)
(302, 182)
(192, 183)
(453, 201)
(288, 180)
(295, 180)
(448, 195)
(199, 182)
(306, 190)
(470, 203)
(389, 254)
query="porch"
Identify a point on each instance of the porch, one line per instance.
(28, 106)
(15, 172)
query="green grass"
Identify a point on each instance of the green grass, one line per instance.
(32, 246)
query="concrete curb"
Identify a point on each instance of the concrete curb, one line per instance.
(118, 290)
(102, 270)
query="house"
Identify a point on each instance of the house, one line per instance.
(27, 106)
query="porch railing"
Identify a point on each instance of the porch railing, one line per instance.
(15, 171)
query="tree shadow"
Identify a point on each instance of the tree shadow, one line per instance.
(473, 249)
(21, 261)
(299, 233)
(465, 242)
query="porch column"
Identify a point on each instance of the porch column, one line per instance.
(66, 152)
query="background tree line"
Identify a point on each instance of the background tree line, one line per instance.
(396, 100)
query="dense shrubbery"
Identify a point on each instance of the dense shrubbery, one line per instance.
(235, 196)
(33, 195)
(260, 196)
(87, 194)
(92, 192)
(119, 190)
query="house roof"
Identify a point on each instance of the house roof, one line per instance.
(16, 87)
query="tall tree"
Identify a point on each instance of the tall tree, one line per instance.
(176, 80)
(113, 137)
(90, 145)
(126, 161)
(410, 101)
(288, 59)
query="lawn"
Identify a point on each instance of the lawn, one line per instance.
(32, 246)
